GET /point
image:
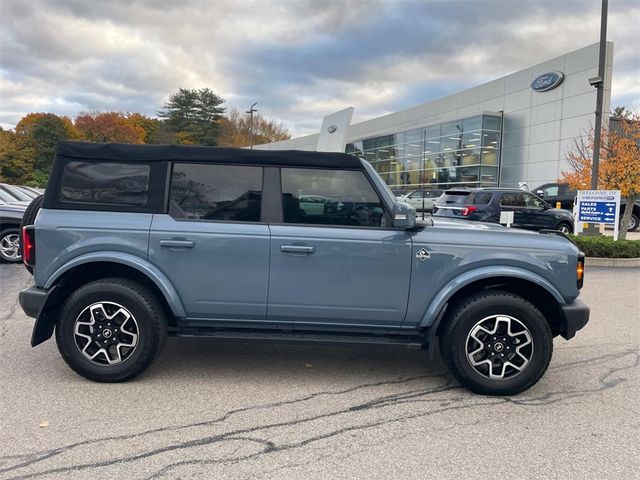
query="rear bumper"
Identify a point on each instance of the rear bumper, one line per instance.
(576, 316)
(32, 299)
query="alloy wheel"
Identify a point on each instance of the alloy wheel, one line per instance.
(106, 333)
(10, 246)
(499, 347)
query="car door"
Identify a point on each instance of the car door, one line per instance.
(537, 217)
(514, 202)
(414, 199)
(211, 243)
(340, 265)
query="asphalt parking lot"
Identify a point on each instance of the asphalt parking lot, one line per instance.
(209, 409)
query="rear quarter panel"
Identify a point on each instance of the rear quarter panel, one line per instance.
(62, 235)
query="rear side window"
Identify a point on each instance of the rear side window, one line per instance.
(330, 197)
(454, 198)
(105, 183)
(482, 198)
(514, 199)
(216, 192)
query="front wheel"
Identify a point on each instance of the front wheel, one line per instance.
(111, 330)
(633, 223)
(565, 228)
(496, 343)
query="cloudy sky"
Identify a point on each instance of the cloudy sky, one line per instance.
(298, 59)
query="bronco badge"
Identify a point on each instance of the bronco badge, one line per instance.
(423, 255)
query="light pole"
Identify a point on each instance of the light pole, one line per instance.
(251, 112)
(598, 82)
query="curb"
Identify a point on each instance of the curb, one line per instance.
(611, 262)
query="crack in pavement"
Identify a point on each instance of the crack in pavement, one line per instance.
(40, 456)
(414, 396)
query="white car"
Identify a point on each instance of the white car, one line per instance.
(422, 199)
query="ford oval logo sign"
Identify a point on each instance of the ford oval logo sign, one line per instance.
(547, 81)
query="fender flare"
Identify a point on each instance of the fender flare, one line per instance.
(434, 311)
(139, 264)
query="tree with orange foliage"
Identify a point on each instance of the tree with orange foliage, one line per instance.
(110, 127)
(619, 162)
(235, 130)
(27, 154)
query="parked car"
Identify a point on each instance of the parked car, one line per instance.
(28, 191)
(485, 204)
(17, 193)
(135, 242)
(422, 199)
(10, 218)
(7, 198)
(559, 192)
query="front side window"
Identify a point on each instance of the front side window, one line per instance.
(216, 192)
(105, 183)
(330, 197)
(533, 202)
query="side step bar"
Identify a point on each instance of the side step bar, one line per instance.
(411, 341)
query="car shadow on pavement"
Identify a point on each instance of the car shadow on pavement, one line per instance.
(211, 359)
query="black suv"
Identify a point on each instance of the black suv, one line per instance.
(485, 205)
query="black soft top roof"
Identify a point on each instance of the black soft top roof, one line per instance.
(188, 153)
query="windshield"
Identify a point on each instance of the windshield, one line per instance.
(5, 197)
(390, 198)
(16, 193)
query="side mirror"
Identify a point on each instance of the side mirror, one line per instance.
(404, 216)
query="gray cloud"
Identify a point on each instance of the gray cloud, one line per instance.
(299, 60)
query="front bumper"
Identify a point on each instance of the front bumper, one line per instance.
(32, 300)
(576, 316)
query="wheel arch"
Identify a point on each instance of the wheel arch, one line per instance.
(94, 266)
(528, 285)
(9, 223)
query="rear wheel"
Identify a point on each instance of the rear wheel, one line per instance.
(10, 251)
(633, 223)
(496, 343)
(111, 330)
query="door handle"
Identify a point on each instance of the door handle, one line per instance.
(177, 243)
(297, 249)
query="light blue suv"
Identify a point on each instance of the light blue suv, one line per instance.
(132, 243)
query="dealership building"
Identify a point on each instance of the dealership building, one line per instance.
(512, 130)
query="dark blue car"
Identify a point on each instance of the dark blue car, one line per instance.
(485, 204)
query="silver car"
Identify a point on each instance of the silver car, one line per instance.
(422, 200)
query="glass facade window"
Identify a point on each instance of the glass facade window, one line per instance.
(462, 153)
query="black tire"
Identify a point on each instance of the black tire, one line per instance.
(462, 320)
(29, 218)
(633, 223)
(147, 312)
(565, 227)
(8, 237)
